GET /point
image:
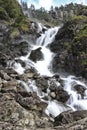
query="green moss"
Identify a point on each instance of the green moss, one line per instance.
(14, 33)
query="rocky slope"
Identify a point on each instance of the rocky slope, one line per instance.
(22, 110)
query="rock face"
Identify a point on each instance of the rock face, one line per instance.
(70, 47)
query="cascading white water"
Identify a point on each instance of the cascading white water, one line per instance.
(47, 37)
(41, 66)
(76, 102)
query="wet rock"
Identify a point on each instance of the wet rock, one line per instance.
(36, 55)
(21, 62)
(56, 76)
(42, 83)
(52, 86)
(61, 95)
(31, 70)
(57, 91)
(69, 117)
(80, 89)
(29, 75)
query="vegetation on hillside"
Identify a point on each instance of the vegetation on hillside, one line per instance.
(56, 15)
(11, 13)
(10, 8)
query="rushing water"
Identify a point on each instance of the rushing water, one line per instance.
(76, 101)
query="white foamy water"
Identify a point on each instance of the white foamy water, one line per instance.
(43, 66)
(47, 37)
(76, 101)
(18, 68)
(54, 108)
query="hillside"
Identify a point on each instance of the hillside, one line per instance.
(9, 9)
(71, 46)
(56, 15)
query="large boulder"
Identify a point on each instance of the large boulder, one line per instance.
(36, 55)
(80, 89)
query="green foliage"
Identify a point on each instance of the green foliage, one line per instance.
(10, 8)
(78, 17)
(22, 23)
(3, 14)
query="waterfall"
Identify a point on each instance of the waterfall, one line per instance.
(76, 100)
